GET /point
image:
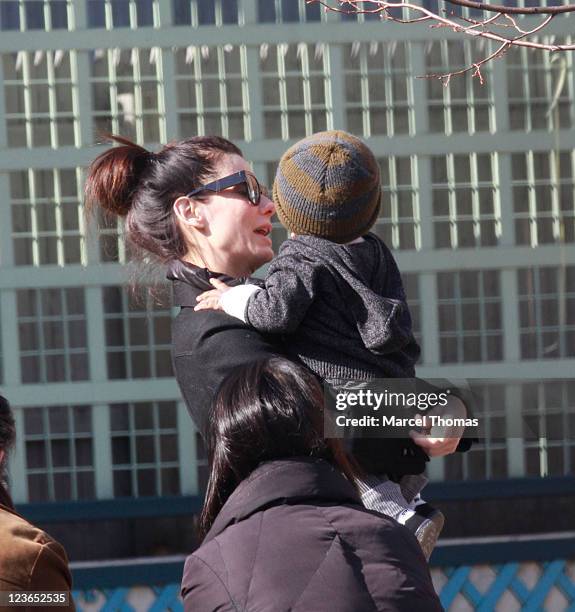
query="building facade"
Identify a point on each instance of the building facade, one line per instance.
(478, 206)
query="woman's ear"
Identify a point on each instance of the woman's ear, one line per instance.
(188, 212)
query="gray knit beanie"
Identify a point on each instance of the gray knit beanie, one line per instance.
(328, 185)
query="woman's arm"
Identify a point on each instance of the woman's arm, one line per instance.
(205, 347)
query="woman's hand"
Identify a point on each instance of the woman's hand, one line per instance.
(210, 300)
(438, 441)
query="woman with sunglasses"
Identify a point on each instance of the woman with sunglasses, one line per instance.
(196, 207)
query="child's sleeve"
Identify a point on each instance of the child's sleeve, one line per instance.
(279, 307)
(235, 299)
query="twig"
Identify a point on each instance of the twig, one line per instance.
(476, 66)
(479, 28)
(515, 10)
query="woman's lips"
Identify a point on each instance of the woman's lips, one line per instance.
(264, 231)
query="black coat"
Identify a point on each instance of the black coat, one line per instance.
(295, 537)
(207, 344)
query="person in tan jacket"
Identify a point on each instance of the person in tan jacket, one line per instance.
(30, 560)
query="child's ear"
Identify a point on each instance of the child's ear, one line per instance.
(188, 212)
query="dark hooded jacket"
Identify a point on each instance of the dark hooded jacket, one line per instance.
(343, 306)
(294, 537)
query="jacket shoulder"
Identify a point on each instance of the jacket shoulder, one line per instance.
(30, 558)
(203, 583)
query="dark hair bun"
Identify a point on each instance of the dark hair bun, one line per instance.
(114, 176)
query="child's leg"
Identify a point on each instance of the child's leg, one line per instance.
(412, 485)
(385, 496)
(382, 495)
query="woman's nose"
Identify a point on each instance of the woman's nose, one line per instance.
(267, 207)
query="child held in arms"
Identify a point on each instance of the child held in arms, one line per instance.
(335, 291)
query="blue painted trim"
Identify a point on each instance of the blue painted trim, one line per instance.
(503, 552)
(459, 557)
(127, 575)
(145, 507)
(119, 508)
(500, 489)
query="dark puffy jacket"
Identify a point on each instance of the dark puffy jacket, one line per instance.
(295, 537)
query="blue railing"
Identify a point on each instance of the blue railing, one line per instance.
(531, 577)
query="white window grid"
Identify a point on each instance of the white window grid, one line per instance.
(133, 14)
(399, 222)
(465, 105)
(547, 312)
(40, 89)
(145, 457)
(296, 89)
(59, 453)
(466, 202)
(47, 217)
(52, 335)
(197, 13)
(544, 197)
(540, 89)
(47, 15)
(411, 287)
(127, 93)
(379, 88)
(469, 315)
(138, 333)
(212, 91)
(289, 11)
(487, 458)
(549, 416)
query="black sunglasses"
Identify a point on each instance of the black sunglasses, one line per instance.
(253, 188)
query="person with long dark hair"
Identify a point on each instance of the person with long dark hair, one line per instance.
(283, 522)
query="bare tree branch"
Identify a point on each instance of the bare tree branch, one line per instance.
(515, 10)
(476, 66)
(479, 28)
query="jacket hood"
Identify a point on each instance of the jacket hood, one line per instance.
(370, 286)
(284, 482)
(365, 260)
